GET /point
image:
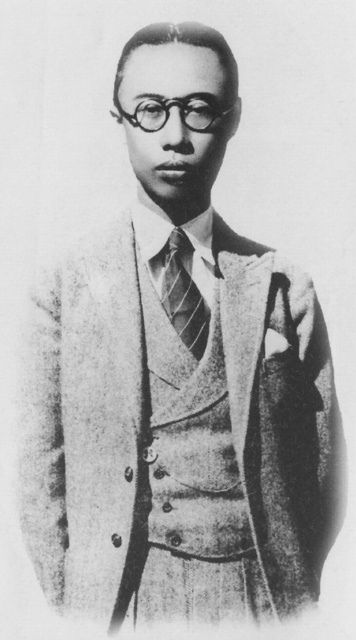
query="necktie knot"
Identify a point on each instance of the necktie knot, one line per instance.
(179, 241)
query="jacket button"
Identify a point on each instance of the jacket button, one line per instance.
(116, 540)
(129, 474)
(167, 507)
(159, 474)
(176, 540)
(149, 455)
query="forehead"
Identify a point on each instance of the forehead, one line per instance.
(173, 70)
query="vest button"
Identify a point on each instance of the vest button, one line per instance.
(149, 455)
(129, 474)
(176, 540)
(167, 507)
(116, 540)
(159, 474)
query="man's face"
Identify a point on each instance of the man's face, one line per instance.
(176, 164)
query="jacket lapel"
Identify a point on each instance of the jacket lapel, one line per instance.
(113, 282)
(105, 398)
(243, 309)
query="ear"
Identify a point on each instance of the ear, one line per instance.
(117, 116)
(234, 119)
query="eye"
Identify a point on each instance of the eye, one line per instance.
(200, 107)
(150, 108)
(199, 114)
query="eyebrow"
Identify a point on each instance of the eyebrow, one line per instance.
(197, 94)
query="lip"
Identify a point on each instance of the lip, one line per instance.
(175, 166)
(174, 171)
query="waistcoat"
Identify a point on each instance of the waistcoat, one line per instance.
(198, 508)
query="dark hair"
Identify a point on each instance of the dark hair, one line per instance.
(192, 33)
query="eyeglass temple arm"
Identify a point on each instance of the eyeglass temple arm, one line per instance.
(224, 113)
(123, 114)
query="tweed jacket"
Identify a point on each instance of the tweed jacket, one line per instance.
(86, 410)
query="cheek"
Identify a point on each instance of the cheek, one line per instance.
(134, 149)
(141, 149)
(205, 144)
(210, 150)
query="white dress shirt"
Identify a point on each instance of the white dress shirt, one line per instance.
(152, 229)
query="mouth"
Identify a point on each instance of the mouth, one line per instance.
(174, 171)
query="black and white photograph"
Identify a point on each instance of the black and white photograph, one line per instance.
(178, 348)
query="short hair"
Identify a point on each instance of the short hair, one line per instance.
(193, 33)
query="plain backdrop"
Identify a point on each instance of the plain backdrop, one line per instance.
(287, 181)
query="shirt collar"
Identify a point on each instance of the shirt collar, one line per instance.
(153, 228)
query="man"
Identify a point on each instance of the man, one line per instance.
(183, 445)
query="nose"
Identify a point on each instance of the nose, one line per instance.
(174, 133)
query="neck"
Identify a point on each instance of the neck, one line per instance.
(179, 211)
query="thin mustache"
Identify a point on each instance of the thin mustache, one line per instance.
(179, 166)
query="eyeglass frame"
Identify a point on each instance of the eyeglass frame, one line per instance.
(167, 104)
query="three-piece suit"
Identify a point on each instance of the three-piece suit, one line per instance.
(131, 449)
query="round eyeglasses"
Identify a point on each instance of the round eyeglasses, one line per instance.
(152, 114)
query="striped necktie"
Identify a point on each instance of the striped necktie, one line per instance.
(181, 297)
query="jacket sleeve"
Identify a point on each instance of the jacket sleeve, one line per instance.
(41, 447)
(315, 353)
(306, 330)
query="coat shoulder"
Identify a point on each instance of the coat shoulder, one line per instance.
(102, 243)
(225, 238)
(66, 267)
(292, 271)
(296, 283)
(286, 274)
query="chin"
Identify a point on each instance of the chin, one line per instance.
(171, 193)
